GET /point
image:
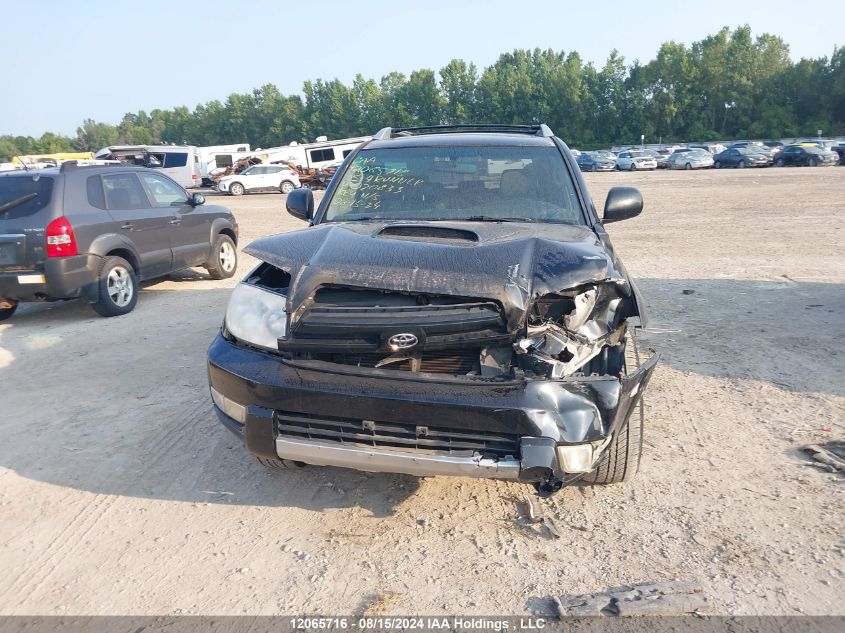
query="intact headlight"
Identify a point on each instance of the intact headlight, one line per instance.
(256, 316)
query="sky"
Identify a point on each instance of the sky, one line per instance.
(63, 62)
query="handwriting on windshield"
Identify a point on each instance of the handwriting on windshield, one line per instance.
(365, 183)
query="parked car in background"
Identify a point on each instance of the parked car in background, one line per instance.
(711, 148)
(775, 146)
(694, 159)
(94, 232)
(589, 161)
(807, 155)
(604, 153)
(260, 178)
(739, 157)
(662, 159)
(634, 160)
(756, 146)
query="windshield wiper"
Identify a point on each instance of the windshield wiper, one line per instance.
(16, 203)
(357, 219)
(491, 218)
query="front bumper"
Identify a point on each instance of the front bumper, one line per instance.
(58, 278)
(543, 413)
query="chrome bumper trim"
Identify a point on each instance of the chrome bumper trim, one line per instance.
(374, 460)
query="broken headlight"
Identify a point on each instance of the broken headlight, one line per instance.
(568, 330)
(256, 316)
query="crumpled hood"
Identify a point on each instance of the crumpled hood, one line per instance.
(510, 263)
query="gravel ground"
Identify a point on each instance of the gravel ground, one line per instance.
(121, 494)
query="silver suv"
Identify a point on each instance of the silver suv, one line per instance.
(94, 232)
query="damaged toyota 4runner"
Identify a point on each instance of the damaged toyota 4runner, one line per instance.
(455, 308)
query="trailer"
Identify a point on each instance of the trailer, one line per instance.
(215, 159)
(319, 154)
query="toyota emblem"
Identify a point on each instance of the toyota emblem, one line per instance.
(406, 340)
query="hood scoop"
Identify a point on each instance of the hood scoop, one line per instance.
(428, 233)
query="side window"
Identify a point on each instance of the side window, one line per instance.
(96, 197)
(258, 171)
(318, 155)
(164, 191)
(123, 191)
(275, 169)
(175, 159)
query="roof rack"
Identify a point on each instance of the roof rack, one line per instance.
(540, 129)
(85, 162)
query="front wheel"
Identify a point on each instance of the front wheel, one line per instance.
(224, 258)
(741, 164)
(236, 189)
(687, 166)
(622, 456)
(813, 162)
(6, 313)
(779, 162)
(717, 165)
(286, 187)
(118, 288)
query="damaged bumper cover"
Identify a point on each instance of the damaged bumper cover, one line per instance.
(419, 424)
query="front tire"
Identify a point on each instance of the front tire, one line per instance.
(118, 288)
(6, 313)
(236, 189)
(813, 162)
(224, 258)
(779, 162)
(623, 454)
(717, 165)
(687, 166)
(741, 164)
(286, 187)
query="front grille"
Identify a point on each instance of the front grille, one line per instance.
(455, 362)
(349, 327)
(396, 436)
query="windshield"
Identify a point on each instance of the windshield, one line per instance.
(14, 188)
(457, 183)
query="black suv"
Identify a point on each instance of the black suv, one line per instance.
(456, 308)
(93, 232)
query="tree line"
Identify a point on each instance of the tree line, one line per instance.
(728, 85)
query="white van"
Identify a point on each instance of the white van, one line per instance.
(180, 162)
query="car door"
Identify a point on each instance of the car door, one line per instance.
(189, 232)
(274, 177)
(136, 218)
(733, 156)
(789, 155)
(257, 178)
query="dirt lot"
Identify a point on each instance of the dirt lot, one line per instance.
(121, 494)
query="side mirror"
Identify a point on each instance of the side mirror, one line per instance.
(197, 199)
(622, 203)
(300, 203)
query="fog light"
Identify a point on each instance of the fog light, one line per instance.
(576, 459)
(229, 407)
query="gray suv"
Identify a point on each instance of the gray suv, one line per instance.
(94, 232)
